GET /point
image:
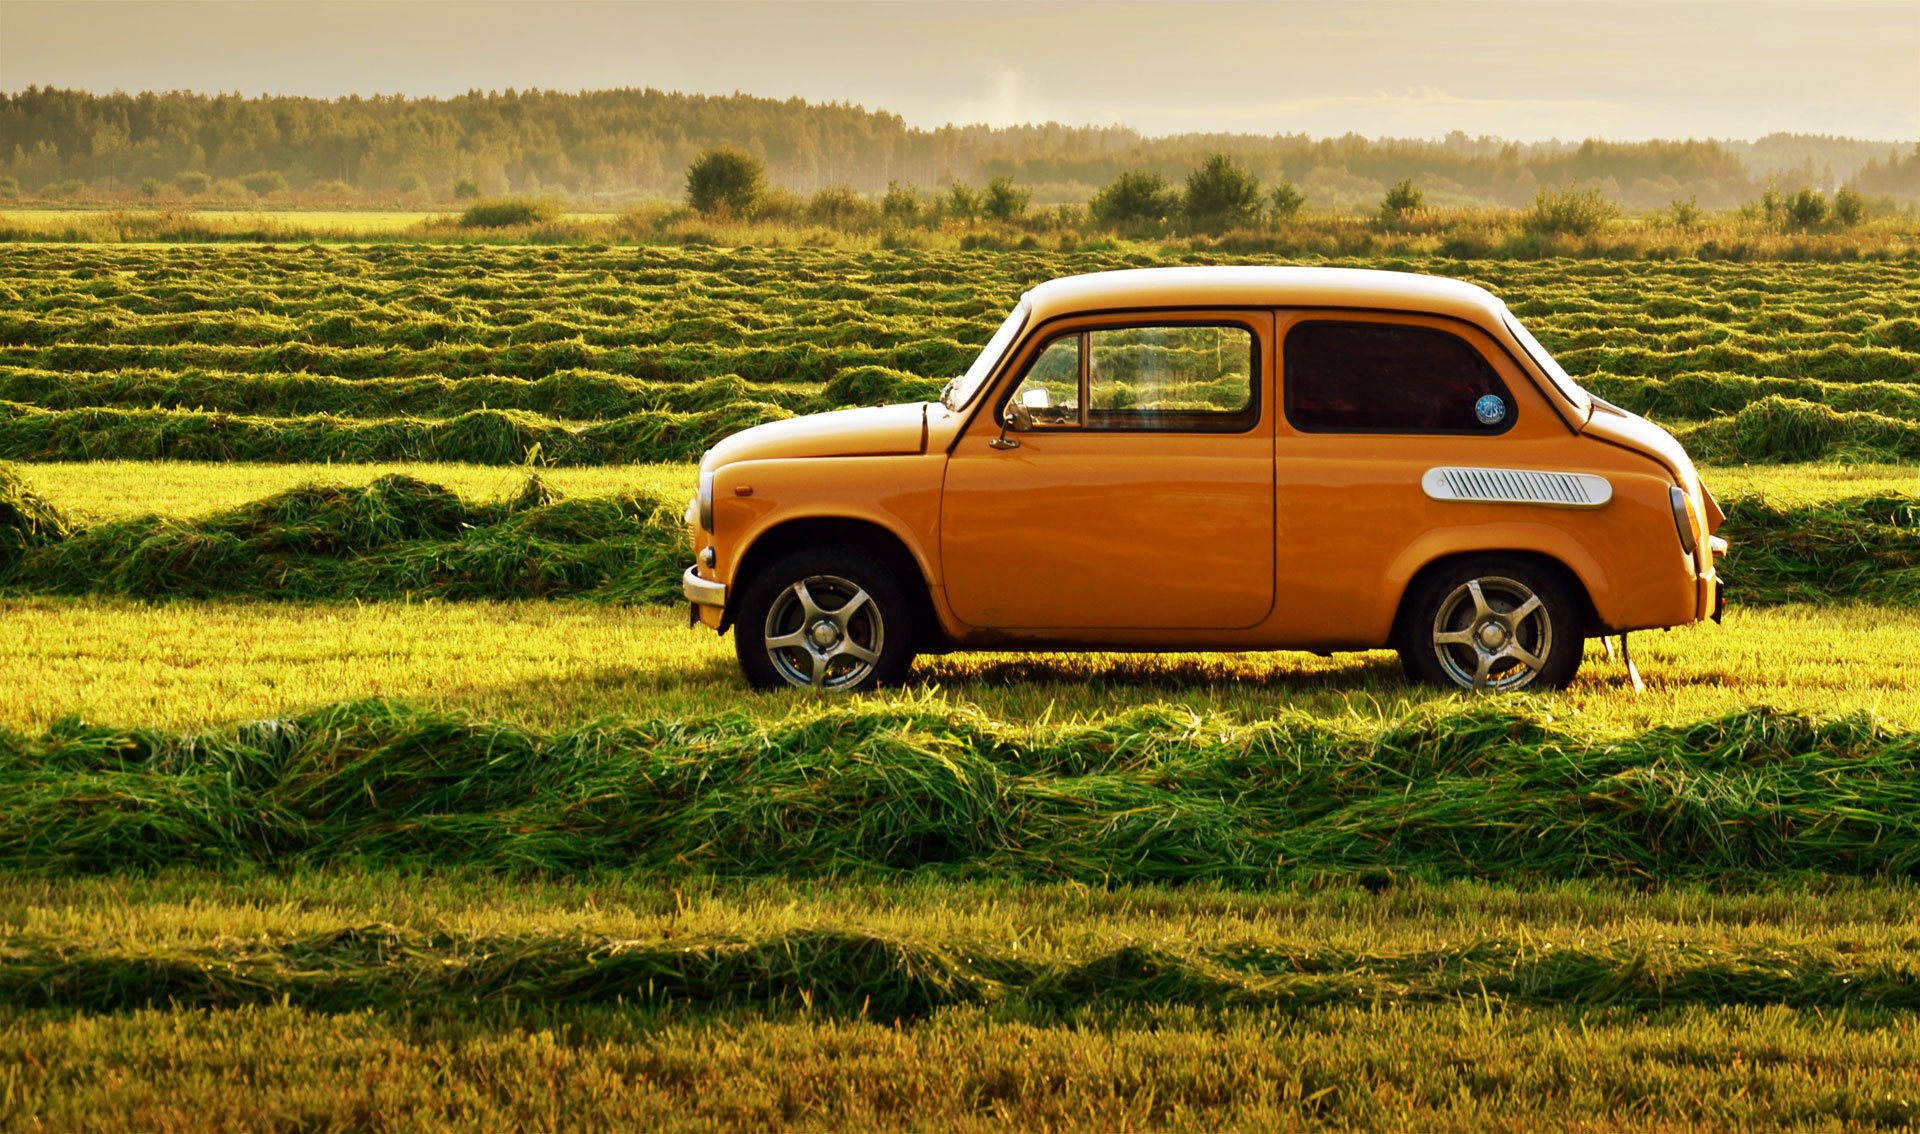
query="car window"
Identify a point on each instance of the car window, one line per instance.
(1390, 378)
(1170, 378)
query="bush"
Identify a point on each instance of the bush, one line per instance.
(1849, 207)
(193, 183)
(1287, 200)
(725, 182)
(901, 204)
(1401, 201)
(229, 188)
(506, 212)
(1806, 209)
(466, 189)
(411, 183)
(1134, 199)
(333, 188)
(9, 187)
(151, 187)
(1220, 195)
(779, 205)
(264, 182)
(838, 206)
(69, 187)
(1574, 212)
(960, 202)
(1004, 202)
(1684, 214)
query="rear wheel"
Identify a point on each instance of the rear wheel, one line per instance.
(1494, 623)
(828, 620)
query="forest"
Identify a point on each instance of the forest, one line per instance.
(615, 145)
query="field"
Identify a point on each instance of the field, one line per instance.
(357, 769)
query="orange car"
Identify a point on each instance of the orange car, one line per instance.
(1213, 459)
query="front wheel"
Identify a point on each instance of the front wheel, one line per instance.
(829, 620)
(1493, 624)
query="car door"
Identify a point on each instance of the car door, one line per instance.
(1121, 477)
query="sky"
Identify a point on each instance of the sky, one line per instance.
(1620, 69)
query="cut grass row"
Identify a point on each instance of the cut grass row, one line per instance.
(585, 395)
(1456, 1067)
(1152, 795)
(1769, 429)
(402, 538)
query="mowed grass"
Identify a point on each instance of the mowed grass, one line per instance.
(96, 491)
(1423, 1023)
(547, 665)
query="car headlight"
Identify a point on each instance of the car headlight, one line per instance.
(704, 500)
(1682, 518)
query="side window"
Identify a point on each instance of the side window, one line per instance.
(1389, 378)
(1187, 378)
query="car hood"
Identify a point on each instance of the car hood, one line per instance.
(874, 431)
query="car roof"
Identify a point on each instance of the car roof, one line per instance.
(1252, 286)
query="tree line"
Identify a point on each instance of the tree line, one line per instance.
(638, 142)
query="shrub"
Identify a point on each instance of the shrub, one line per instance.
(1004, 201)
(1574, 212)
(960, 202)
(506, 212)
(1401, 201)
(229, 188)
(466, 189)
(9, 187)
(725, 181)
(264, 182)
(1287, 200)
(902, 203)
(333, 188)
(1849, 207)
(1684, 214)
(1806, 209)
(839, 206)
(1135, 198)
(411, 183)
(193, 183)
(1220, 195)
(69, 187)
(778, 205)
(151, 187)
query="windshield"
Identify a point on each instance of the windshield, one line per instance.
(961, 390)
(1569, 389)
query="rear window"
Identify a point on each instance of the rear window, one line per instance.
(1348, 377)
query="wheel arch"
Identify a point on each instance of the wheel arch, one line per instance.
(1590, 618)
(867, 536)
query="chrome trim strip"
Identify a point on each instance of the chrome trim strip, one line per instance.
(1517, 486)
(702, 592)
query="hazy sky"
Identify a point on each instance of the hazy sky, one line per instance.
(1604, 68)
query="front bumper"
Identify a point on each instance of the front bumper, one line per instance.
(702, 592)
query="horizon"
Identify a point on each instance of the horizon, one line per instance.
(1715, 70)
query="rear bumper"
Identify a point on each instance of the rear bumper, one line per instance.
(702, 592)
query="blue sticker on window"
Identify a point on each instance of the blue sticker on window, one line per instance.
(1490, 409)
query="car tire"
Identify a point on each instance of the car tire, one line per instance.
(1495, 624)
(832, 620)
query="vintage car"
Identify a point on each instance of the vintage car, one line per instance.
(1212, 458)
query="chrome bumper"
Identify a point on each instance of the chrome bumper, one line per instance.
(702, 592)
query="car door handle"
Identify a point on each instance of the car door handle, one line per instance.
(1003, 442)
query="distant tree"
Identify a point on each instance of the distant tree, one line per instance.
(1004, 201)
(1806, 209)
(410, 184)
(66, 187)
(1221, 194)
(9, 187)
(1136, 198)
(466, 189)
(264, 182)
(1287, 200)
(1684, 214)
(725, 182)
(839, 206)
(193, 183)
(901, 204)
(1849, 207)
(333, 188)
(1401, 201)
(1772, 206)
(151, 187)
(228, 189)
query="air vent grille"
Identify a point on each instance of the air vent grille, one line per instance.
(1517, 486)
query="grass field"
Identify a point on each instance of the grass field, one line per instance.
(408, 801)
